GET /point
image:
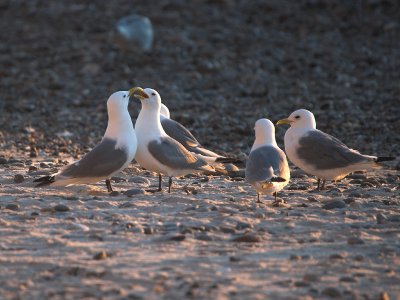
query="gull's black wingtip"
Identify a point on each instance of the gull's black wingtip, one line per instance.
(384, 158)
(278, 179)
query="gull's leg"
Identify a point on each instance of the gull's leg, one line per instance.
(319, 181)
(169, 184)
(159, 182)
(258, 198)
(323, 184)
(108, 184)
(276, 196)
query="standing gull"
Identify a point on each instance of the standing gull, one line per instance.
(157, 151)
(321, 154)
(267, 169)
(113, 154)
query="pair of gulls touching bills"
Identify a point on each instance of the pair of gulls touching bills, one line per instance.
(158, 144)
(310, 149)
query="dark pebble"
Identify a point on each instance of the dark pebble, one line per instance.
(355, 181)
(100, 255)
(331, 292)
(18, 178)
(381, 218)
(133, 192)
(114, 193)
(227, 229)
(334, 204)
(355, 241)
(32, 168)
(295, 257)
(178, 238)
(44, 165)
(12, 206)
(243, 225)
(3, 161)
(247, 238)
(148, 230)
(61, 208)
(203, 237)
(357, 176)
(347, 279)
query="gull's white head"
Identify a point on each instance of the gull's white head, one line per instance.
(150, 98)
(301, 118)
(164, 111)
(265, 132)
(117, 103)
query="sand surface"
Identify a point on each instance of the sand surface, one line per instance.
(208, 239)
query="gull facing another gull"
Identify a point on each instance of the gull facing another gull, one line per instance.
(267, 169)
(321, 154)
(157, 151)
(113, 154)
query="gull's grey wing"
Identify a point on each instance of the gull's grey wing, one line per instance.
(172, 154)
(179, 133)
(324, 151)
(102, 161)
(258, 166)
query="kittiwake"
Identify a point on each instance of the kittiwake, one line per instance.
(321, 154)
(157, 151)
(113, 154)
(267, 169)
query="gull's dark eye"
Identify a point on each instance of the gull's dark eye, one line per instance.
(297, 117)
(153, 94)
(124, 96)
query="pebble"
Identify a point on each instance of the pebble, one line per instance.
(242, 225)
(357, 176)
(295, 257)
(44, 165)
(148, 230)
(114, 193)
(133, 192)
(381, 218)
(355, 195)
(178, 238)
(12, 206)
(32, 168)
(356, 181)
(331, 292)
(347, 279)
(140, 180)
(334, 204)
(3, 161)
(18, 178)
(355, 241)
(311, 278)
(100, 255)
(337, 256)
(312, 199)
(61, 208)
(247, 238)
(118, 179)
(227, 229)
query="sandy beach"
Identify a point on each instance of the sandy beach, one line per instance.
(208, 239)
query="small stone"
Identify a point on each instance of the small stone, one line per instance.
(133, 192)
(347, 279)
(227, 229)
(140, 180)
(32, 168)
(34, 213)
(234, 259)
(337, 256)
(61, 208)
(44, 165)
(331, 292)
(357, 176)
(334, 204)
(178, 238)
(3, 161)
(301, 284)
(203, 237)
(242, 225)
(100, 255)
(247, 238)
(312, 199)
(355, 241)
(355, 195)
(148, 230)
(12, 206)
(356, 181)
(381, 218)
(18, 178)
(358, 257)
(295, 257)
(114, 193)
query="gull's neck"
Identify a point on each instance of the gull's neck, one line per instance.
(148, 123)
(264, 140)
(119, 123)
